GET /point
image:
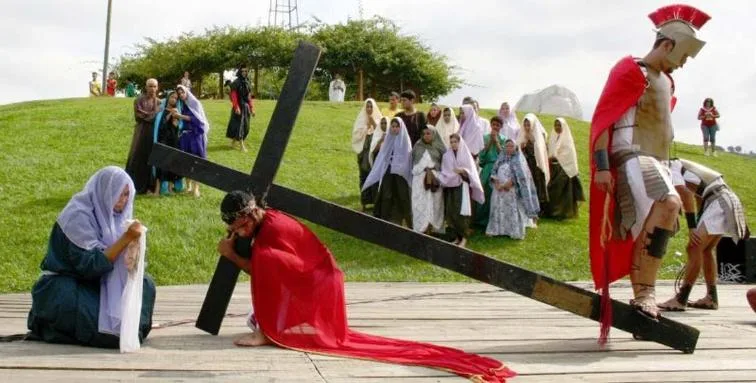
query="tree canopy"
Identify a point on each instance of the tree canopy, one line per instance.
(371, 55)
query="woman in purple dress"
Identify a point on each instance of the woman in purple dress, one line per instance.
(193, 138)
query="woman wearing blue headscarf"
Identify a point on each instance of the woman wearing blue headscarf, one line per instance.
(84, 273)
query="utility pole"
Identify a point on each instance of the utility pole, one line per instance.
(107, 48)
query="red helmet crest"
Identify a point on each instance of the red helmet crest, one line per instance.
(679, 12)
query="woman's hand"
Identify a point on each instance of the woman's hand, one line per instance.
(134, 231)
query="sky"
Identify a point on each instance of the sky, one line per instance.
(504, 48)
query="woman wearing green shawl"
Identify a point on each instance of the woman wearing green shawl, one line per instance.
(493, 146)
(427, 194)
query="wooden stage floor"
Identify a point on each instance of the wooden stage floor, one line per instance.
(541, 343)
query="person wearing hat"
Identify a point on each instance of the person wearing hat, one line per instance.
(634, 204)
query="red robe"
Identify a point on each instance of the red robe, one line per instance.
(611, 258)
(299, 304)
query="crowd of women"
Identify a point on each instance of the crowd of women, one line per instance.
(465, 172)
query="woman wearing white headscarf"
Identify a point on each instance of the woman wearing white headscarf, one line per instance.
(447, 126)
(427, 195)
(510, 126)
(532, 140)
(193, 138)
(564, 188)
(365, 136)
(392, 171)
(77, 298)
(459, 178)
(470, 129)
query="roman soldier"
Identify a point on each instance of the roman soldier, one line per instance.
(634, 205)
(720, 215)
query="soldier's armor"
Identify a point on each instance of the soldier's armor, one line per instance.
(653, 123)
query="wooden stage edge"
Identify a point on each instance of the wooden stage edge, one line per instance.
(541, 343)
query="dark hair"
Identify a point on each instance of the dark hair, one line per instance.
(497, 119)
(445, 109)
(708, 99)
(455, 135)
(237, 204)
(408, 94)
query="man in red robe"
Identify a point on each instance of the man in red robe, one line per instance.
(298, 296)
(634, 205)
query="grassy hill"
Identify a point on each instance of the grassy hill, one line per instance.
(48, 149)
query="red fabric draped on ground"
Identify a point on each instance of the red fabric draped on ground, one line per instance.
(299, 304)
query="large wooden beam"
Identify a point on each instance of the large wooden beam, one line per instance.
(464, 261)
(264, 170)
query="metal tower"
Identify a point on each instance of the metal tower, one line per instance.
(283, 13)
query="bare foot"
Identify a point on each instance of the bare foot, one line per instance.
(253, 339)
(462, 242)
(672, 305)
(196, 192)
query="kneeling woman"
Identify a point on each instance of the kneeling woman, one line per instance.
(73, 301)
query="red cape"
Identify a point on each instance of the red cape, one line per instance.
(299, 304)
(611, 261)
(611, 258)
(626, 84)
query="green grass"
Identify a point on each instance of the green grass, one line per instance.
(48, 149)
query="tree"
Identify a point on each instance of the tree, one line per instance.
(374, 51)
(730, 149)
(738, 149)
(370, 53)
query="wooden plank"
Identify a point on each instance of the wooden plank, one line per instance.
(97, 376)
(554, 363)
(644, 377)
(547, 346)
(264, 171)
(639, 377)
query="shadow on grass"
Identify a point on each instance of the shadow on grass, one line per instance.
(51, 204)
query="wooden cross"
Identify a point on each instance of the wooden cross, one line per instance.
(367, 228)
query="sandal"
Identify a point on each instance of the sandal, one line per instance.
(645, 310)
(704, 304)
